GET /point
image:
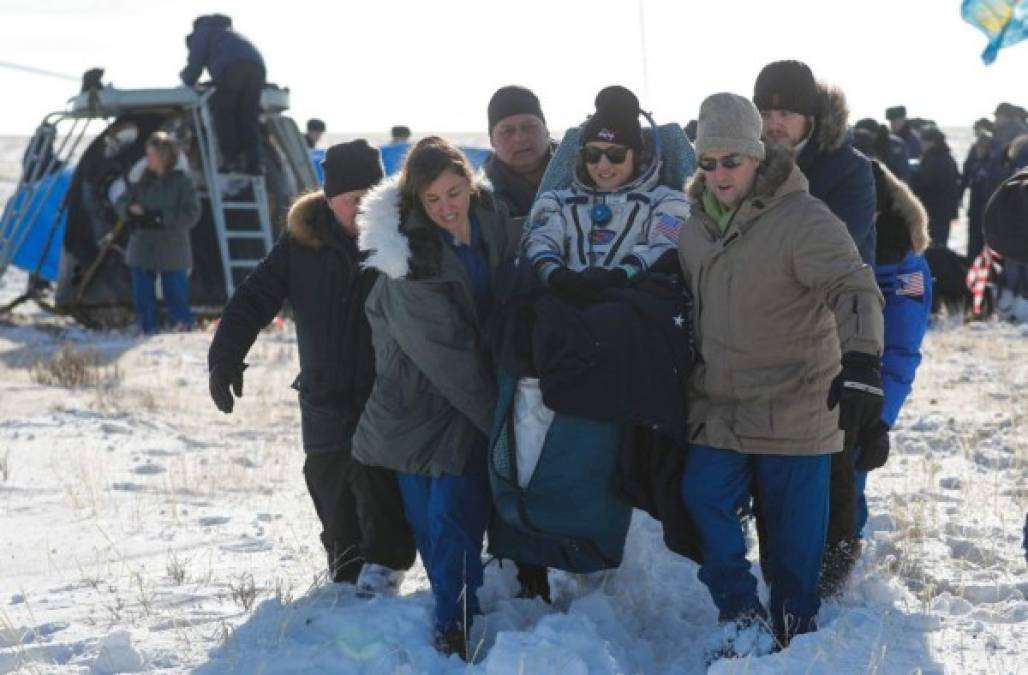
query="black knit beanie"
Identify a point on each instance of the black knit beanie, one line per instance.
(616, 119)
(351, 166)
(513, 100)
(787, 85)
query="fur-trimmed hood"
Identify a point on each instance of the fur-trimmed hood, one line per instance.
(903, 203)
(1016, 147)
(831, 125)
(386, 238)
(301, 223)
(773, 172)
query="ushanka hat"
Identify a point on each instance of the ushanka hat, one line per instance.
(351, 166)
(787, 85)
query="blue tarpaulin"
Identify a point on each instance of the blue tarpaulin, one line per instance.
(45, 220)
(1005, 22)
(317, 157)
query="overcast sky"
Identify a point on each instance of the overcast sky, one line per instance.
(364, 66)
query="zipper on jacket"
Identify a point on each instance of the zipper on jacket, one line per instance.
(581, 236)
(624, 233)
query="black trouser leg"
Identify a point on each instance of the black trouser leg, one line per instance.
(842, 498)
(223, 104)
(841, 547)
(534, 580)
(237, 109)
(975, 238)
(328, 484)
(386, 537)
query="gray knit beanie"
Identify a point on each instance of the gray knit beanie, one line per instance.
(730, 123)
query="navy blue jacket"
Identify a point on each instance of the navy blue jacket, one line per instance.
(982, 174)
(839, 174)
(317, 269)
(214, 45)
(898, 159)
(909, 136)
(937, 184)
(626, 358)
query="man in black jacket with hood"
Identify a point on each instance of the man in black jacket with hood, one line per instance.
(316, 267)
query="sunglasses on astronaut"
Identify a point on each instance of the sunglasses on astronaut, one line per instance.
(616, 154)
(728, 161)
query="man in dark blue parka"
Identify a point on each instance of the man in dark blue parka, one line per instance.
(237, 69)
(901, 126)
(811, 118)
(316, 267)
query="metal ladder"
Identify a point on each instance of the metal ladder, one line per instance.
(232, 260)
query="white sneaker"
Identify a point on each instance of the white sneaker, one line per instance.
(377, 580)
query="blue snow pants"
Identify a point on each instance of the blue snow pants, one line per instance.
(175, 284)
(449, 515)
(794, 499)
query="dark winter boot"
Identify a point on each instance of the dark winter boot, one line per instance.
(344, 564)
(838, 564)
(748, 634)
(791, 626)
(453, 640)
(535, 582)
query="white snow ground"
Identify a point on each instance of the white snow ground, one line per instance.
(141, 530)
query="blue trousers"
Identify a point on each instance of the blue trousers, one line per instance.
(175, 284)
(449, 515)
(794, 502)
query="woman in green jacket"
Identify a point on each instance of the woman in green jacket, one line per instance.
(160, 210)
(438, 238)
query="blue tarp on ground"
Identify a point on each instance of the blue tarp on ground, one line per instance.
(39, 216)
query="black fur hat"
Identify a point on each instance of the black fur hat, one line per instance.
(351, 166)
(787, 85)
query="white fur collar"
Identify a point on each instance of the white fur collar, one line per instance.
(378, 228)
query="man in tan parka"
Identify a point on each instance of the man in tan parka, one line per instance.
(781, 298)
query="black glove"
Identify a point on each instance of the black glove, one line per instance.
(601, 278)
(224, 375)
(874, 447)
(857, 390)
(570, 286)
(150, 220)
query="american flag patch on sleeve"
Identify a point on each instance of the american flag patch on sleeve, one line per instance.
(911, 284)
(668, 225)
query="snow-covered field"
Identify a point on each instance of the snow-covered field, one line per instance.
(142, 530)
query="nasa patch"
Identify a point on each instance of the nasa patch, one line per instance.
(601, 237)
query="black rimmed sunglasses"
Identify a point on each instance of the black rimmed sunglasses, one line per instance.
(728, 161)
(616, 154)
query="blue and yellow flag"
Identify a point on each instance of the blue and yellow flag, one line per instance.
(1003, 21)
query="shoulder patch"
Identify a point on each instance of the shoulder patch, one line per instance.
(669, 225)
